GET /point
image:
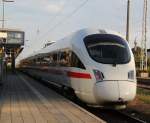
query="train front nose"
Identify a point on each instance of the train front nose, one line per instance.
(114, 91)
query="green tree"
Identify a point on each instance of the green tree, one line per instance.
(137, 56)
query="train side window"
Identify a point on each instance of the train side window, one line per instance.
(45, 60)
(50, 59)
(34, 61)
(54, 55)
(76, 62)
(38, 61)
(41, 60)
(64, 59)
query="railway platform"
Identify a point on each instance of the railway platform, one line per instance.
(23, 100)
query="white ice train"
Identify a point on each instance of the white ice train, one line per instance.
(97, 64)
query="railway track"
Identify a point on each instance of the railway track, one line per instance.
(110, 116)
(114, 116)
(143, 81)
(130, 118)
(147, 87)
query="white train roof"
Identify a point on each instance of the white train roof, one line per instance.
(71, 39)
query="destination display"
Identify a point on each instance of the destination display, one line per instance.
(3, 35)
(11, 37)
(15, 37)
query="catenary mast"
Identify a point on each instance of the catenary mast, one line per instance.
(143, 64)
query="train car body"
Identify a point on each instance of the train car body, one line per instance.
(97, 64)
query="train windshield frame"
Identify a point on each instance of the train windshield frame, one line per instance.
(107, 49)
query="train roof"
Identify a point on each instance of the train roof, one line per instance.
(71, 39)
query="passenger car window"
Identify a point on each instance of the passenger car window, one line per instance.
(75, 61)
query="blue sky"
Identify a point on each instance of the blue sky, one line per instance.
(40, 18)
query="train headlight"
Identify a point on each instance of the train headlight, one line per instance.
(98, 75)
(131, 74)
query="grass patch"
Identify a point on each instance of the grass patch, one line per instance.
(143, 95)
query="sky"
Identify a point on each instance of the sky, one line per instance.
(45, 20)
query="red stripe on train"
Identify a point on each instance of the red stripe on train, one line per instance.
(79, 75)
